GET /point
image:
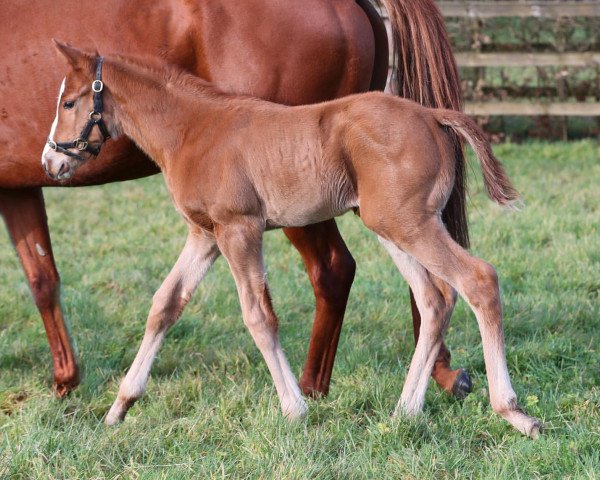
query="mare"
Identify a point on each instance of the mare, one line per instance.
(292, 52)
(236, 166)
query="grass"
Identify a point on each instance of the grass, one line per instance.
(211, 410)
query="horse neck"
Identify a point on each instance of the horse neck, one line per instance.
(146, 111)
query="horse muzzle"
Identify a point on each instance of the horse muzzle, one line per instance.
(58, 166)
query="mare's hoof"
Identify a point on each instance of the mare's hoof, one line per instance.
(462, 385)
(62, 388)
(310, 390)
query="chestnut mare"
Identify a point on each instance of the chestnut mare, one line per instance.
(237, 166)
(287, 51)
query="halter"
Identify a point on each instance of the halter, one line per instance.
(95, 118)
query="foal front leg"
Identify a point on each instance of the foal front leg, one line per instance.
(198, 254)
(241, 244)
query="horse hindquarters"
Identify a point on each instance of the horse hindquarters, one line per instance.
(477, 282)
(425, 71)
(412, 229)
(24, 213)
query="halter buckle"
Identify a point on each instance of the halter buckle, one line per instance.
(95, 116)
(52, 145)
(97, 86)
(80, 144)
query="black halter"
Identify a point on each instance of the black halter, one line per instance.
(95, 118)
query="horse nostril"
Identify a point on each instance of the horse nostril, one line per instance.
(61, 169)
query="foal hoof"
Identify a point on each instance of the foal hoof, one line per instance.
(117, 412)
(535, 430)
(462, 385)
(295, 411)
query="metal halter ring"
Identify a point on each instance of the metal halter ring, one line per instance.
(95, 115)
(52, 145)
(97, 86)
(80, 144)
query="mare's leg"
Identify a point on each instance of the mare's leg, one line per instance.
(198, 254)
(425, 239)
(25, 215)
(435, 300)
(331, 268)
(241, 244)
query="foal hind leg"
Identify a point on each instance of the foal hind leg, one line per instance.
(241, 244)
(477, 282)
(435, 300)
(331, 268)
(197, 256)
(24, 213)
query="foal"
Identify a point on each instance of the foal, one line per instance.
(237, 166)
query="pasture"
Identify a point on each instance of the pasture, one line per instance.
(211, 411)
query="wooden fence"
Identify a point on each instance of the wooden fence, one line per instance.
(540, 9)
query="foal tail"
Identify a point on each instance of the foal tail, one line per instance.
(495, 179)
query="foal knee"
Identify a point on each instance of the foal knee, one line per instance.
(165, 310)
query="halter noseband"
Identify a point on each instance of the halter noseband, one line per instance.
(95, 118)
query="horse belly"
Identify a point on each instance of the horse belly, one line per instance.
(308, 200)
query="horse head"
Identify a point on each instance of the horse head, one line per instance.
(80, 107)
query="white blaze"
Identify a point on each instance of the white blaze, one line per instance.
(55, 122)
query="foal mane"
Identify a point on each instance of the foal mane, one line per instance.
(165, 76)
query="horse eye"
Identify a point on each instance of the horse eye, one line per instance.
(68, 105)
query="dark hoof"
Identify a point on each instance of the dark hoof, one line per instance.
(310, 390)
(62, 388)
(462, 385)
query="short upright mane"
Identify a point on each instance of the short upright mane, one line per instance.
(165, 75)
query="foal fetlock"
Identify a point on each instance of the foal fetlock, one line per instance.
(515, 415)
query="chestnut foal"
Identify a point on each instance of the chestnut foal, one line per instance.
(237, 166)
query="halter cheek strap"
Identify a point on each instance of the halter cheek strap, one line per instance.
(94, 118)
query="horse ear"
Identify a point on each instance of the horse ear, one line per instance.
(74, 57)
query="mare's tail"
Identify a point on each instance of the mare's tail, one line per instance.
(424, 70)
(495, 179)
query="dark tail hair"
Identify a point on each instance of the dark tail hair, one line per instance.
(424, 70)
(495, 179)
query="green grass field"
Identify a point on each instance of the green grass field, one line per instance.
(211, 410)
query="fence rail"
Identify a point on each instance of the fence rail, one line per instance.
(562, 109)
(517, 59)
(475, 59)
(520, 9)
